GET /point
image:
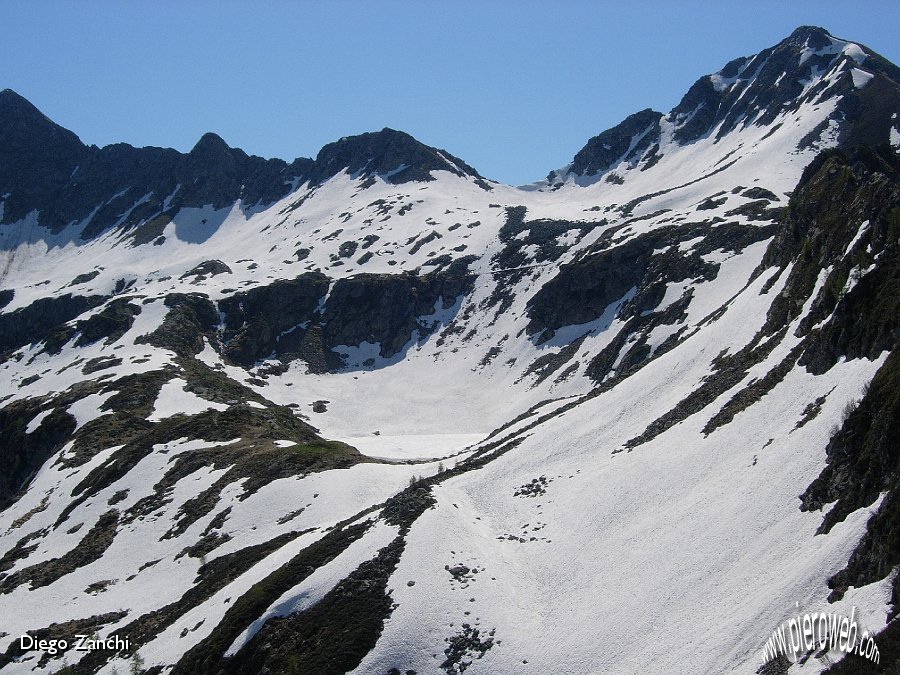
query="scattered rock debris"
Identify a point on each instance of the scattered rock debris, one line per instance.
(535, 488)
(464, 646)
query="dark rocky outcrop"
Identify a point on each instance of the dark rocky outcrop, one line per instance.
(526, 245)
(604, 272)
(39, 321)
(387, 309)
(585, 287)
(863, 462)
(90, 548)
(23, 453)
(191, 317)
(208, 655)
(540, 236)
(756, 90)
(258, 321)
(111, 322)
(394, 155)
(635, 271)
(840, 192)
(45, 167)
(293, 319)
(208, 268)
(627, 140)
(50, 154)
(331, 637)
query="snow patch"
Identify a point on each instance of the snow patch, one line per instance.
(36, 422)
(88, 408)
(855, 52)
(173, 399)
(860, 77)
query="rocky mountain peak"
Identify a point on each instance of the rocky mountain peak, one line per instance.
(815, 37)
(213, 161)
(24, 127)
(633, 135)
(810, 67)
(36, 155)
(46, 168)
(13, 104)
(748, 86)
(210, 144)
(394, 155)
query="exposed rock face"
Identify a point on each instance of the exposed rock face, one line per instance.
(40, 319)
(209, 268)
(260, 321)
(294, 319)
(111, 323)
(47, 168)
(637, 273)
(23, 453)
(228, 172)
(584, 288)
(839, 194)
(191, 317)
(394, 155)
(626, 140)
(853, 198)
(387, 309)
(756, 90)
(37, 157)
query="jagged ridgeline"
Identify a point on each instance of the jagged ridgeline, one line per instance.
(373, 412)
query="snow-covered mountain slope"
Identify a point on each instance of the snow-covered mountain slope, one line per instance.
(372, 412)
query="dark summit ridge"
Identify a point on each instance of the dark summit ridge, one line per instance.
(630, 137)
(36, 156)
(22, 125)
(815, 37)
(756, 90)
(215, 173)
(46, 168)
(210, 145)
(394, 155)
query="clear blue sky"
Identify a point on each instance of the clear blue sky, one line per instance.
(513, 88)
